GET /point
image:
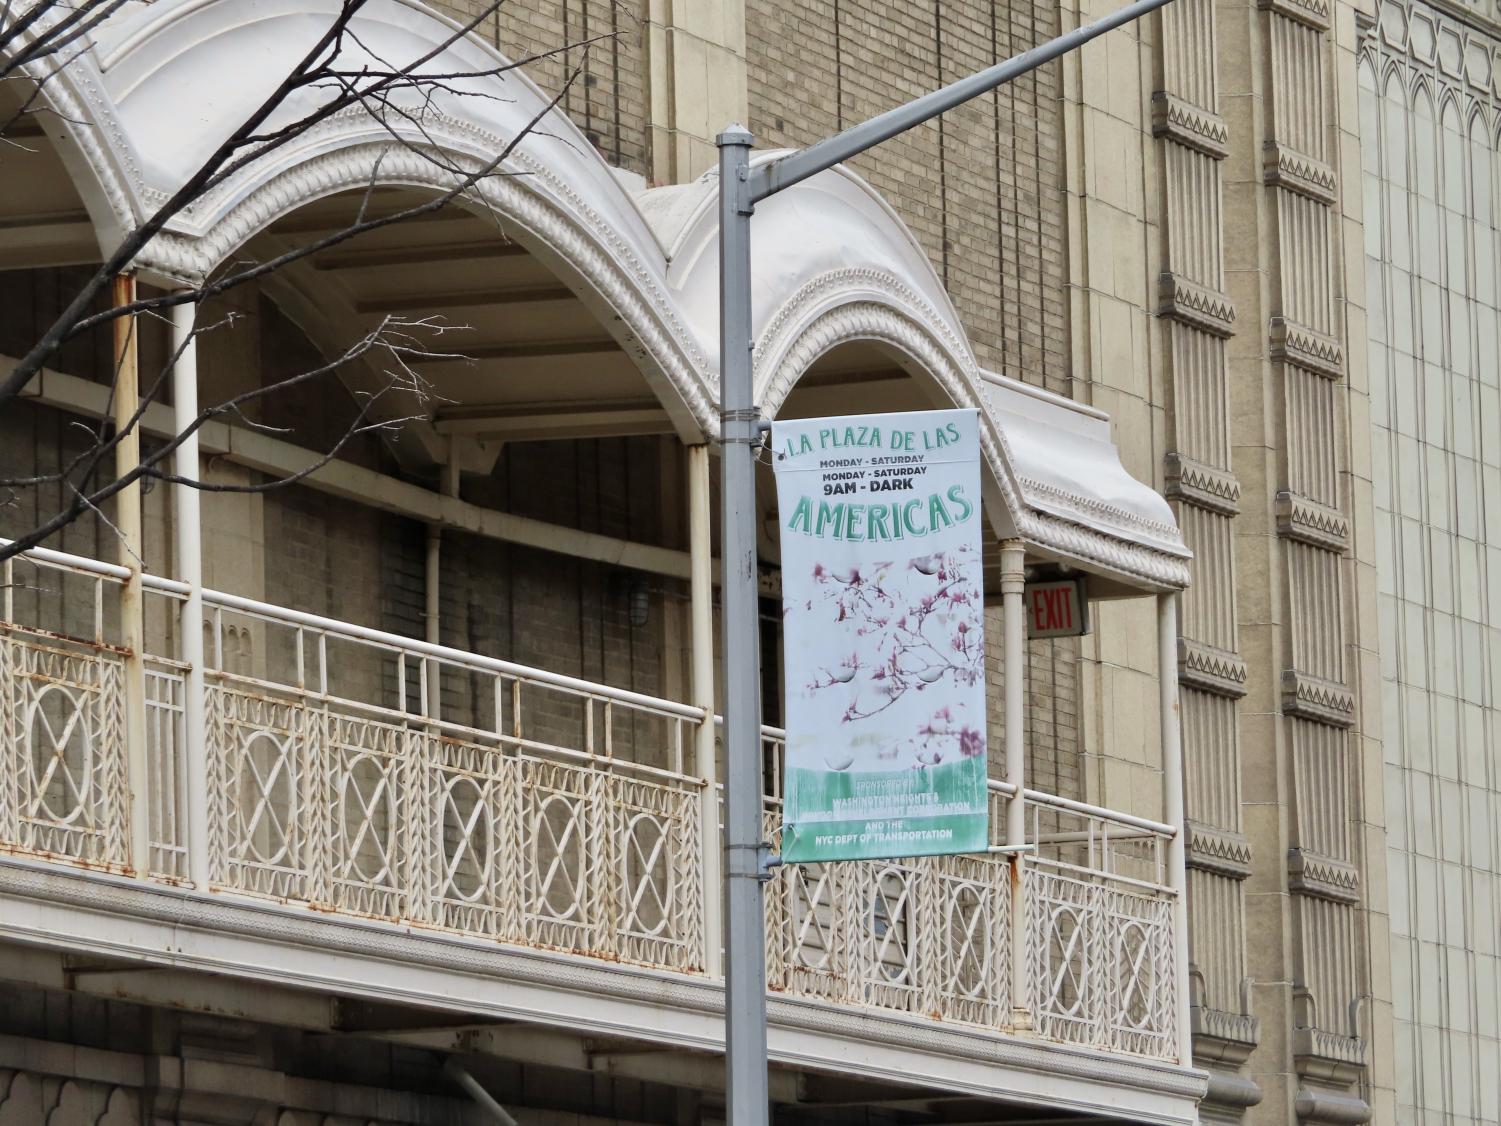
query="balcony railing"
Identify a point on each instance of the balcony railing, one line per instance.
(363, 772)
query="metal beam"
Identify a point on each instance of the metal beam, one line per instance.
(524, 422)
(213, 994)
(466, 299)
(532, 1044)
(694, 1070)
(530, 350)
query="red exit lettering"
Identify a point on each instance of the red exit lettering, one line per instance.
(1054, 609)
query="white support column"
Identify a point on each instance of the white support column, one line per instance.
(701, 601)
(1172, 807)
(189, 548)
(128, 526)
(1014, 673)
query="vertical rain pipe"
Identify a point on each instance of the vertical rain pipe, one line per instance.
(701, 602)
(186, 500)
(132, 551)
(1172, 808)
(1013, 585)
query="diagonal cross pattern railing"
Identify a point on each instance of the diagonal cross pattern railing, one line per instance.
(374, 775)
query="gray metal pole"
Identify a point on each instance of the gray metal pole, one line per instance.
(745, 944)
(772, 178)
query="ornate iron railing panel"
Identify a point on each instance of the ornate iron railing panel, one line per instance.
(927, 935)
(1099, 930)
(403, 821)
(63, 790)
(373, 775)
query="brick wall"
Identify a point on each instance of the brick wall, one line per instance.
(607, 41)
(1054, 749)
(980, 187)
(558, 613)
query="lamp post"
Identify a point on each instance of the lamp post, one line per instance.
(741, 187)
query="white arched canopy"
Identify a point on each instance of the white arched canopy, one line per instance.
(164, 84)
(833, 264)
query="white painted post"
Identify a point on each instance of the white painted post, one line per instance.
(701, 602)
(189, 547)
(1172, 811)
(132, 551)
(1014, 672)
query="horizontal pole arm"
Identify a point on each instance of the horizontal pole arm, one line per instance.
(768, 179)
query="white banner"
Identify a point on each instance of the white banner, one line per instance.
(883, 614)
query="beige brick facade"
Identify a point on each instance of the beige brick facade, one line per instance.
(979, 187)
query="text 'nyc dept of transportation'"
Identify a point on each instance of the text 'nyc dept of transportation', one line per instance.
(884, 628)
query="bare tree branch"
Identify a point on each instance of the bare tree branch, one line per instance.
(393, 336)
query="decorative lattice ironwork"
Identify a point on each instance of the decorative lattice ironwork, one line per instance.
(1101, 963)
(62, 735)
(927, 935)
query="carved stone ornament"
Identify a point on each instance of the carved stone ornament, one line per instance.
(1190, 125)
(1195, 304)
(1308, 521)
(1323, 877)
(1203, 486)
(1211, 669)
(1318, 352)
(1287, 168)
(1220, 851)
(1311, 697)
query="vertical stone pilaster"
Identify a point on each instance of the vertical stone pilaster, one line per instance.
(1291, 446)
(1196, 320)
(1306, 346)
(697, 83)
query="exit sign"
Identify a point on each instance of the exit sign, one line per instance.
(1056, 609)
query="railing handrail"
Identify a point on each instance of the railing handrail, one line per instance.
(375, 636)
(1084, 809)
(393, 717)
(445, 653)
(98, 567)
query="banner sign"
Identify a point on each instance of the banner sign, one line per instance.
(883, 615)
